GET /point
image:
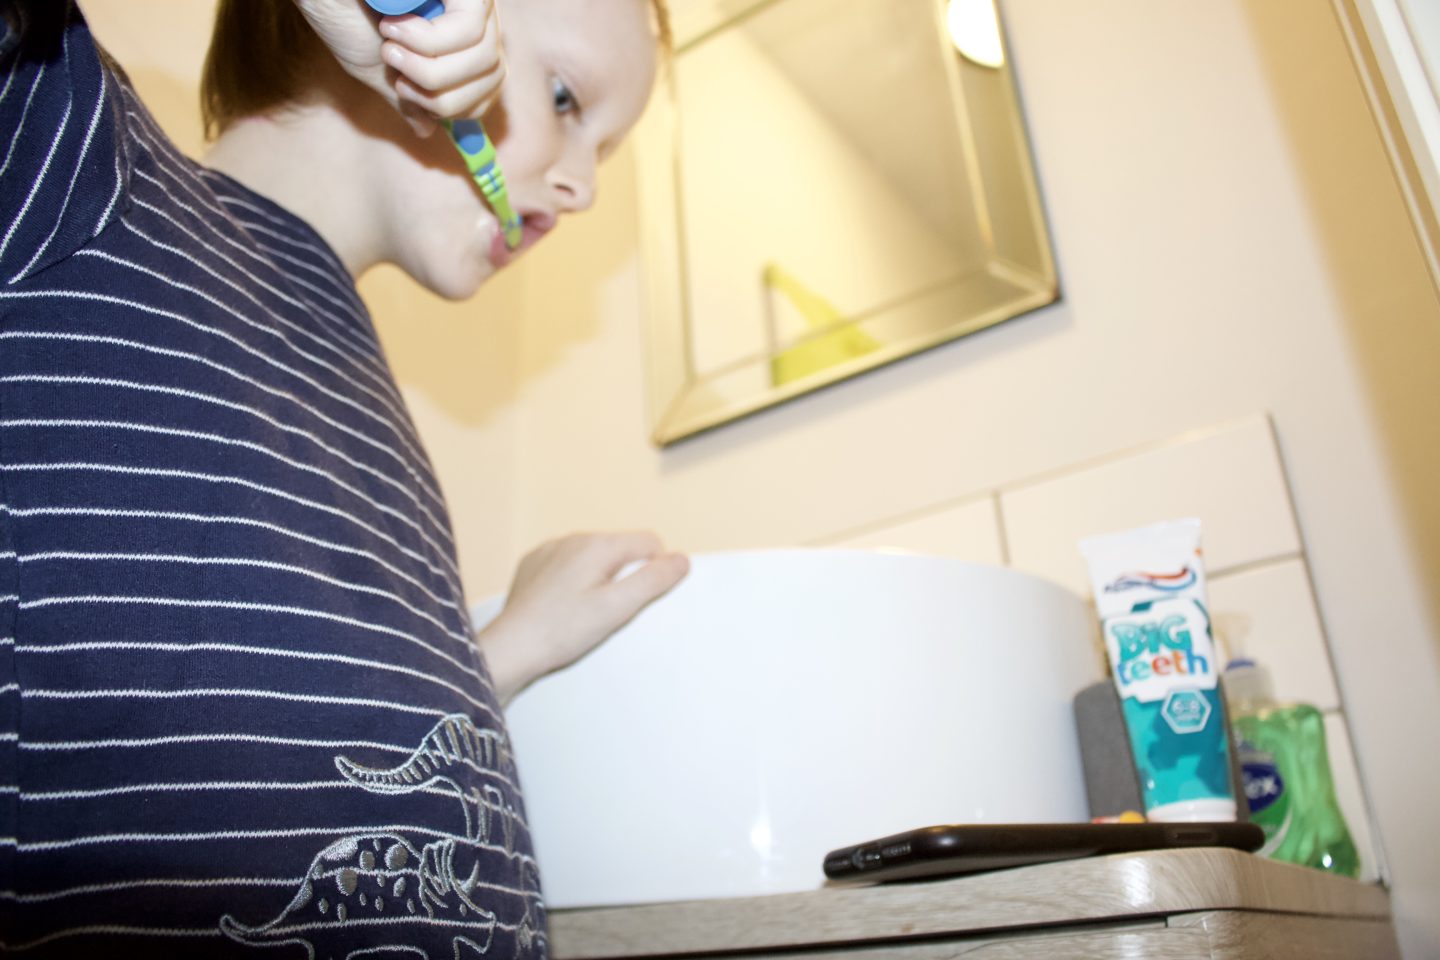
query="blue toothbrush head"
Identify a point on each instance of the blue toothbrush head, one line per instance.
(429, 9)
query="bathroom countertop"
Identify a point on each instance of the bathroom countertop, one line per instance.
(1169, 904)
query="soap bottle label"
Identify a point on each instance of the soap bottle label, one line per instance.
(1265, 792)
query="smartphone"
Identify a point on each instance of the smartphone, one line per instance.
(970, 848)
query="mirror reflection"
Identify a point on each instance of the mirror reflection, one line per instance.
(831, 185)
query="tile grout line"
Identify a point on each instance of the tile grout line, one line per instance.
(1000, 490)
(1001, 534)
(919, 513)
(1125, 453)
(1255, 566)
(1377, 842)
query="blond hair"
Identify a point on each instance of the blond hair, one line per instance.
(262, 53)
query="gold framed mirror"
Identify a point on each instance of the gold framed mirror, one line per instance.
(827, 186)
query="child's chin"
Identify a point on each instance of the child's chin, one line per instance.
(461, 282)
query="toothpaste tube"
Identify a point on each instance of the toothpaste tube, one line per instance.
(1150, 594)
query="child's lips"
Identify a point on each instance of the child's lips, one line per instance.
(534, 225)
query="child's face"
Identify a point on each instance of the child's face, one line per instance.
(578, 76)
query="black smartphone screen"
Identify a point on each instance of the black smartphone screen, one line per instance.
(971, 848)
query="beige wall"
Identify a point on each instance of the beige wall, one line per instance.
(1230, 240)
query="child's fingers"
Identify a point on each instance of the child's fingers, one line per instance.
(421, 122)
(615, 551)
(444, 72)
(467, 100)
(464, 23)
(633, 593)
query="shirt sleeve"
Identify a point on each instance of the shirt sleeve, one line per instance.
(63, 175)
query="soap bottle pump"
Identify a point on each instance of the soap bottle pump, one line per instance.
(1286, 773)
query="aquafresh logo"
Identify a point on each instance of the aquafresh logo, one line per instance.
(1168, 582)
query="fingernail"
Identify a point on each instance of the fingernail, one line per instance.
(392, 55)
(390, 29)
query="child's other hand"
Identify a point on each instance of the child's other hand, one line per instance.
(565, 600)
(447, 68)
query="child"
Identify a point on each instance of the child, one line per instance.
(240, 705)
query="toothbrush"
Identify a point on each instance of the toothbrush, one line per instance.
(468, 136)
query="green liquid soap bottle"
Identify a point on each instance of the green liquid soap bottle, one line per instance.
(1286, 771)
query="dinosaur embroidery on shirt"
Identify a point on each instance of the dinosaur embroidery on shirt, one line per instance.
(389, 881)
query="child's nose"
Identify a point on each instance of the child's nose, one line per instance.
(574, 186)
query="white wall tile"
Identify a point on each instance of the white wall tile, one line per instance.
(1231, 478)
(968, 531)
(1347, 791)
(1269, 614)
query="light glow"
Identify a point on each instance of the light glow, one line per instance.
(761, 839)
(975, 31)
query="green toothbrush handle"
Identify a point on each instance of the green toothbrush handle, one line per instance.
(468, 135)
(479, 153)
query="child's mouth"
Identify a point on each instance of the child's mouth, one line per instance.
(534, 225)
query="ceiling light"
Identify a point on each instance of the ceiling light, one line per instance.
(975, 31)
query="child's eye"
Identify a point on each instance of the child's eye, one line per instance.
(565, 101)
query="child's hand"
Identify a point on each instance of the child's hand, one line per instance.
(447, 68)
(565, 600)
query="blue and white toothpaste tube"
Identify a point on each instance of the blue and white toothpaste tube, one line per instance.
(1150, 594)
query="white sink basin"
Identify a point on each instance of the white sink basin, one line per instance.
(779, 704)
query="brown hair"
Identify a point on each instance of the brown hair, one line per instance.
(262, 52)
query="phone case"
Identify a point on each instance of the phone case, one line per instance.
(966, 848)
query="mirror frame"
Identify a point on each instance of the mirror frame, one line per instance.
(675, 393)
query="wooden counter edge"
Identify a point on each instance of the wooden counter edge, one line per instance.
(1123, 886)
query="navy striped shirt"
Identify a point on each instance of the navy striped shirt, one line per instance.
(240, 705)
